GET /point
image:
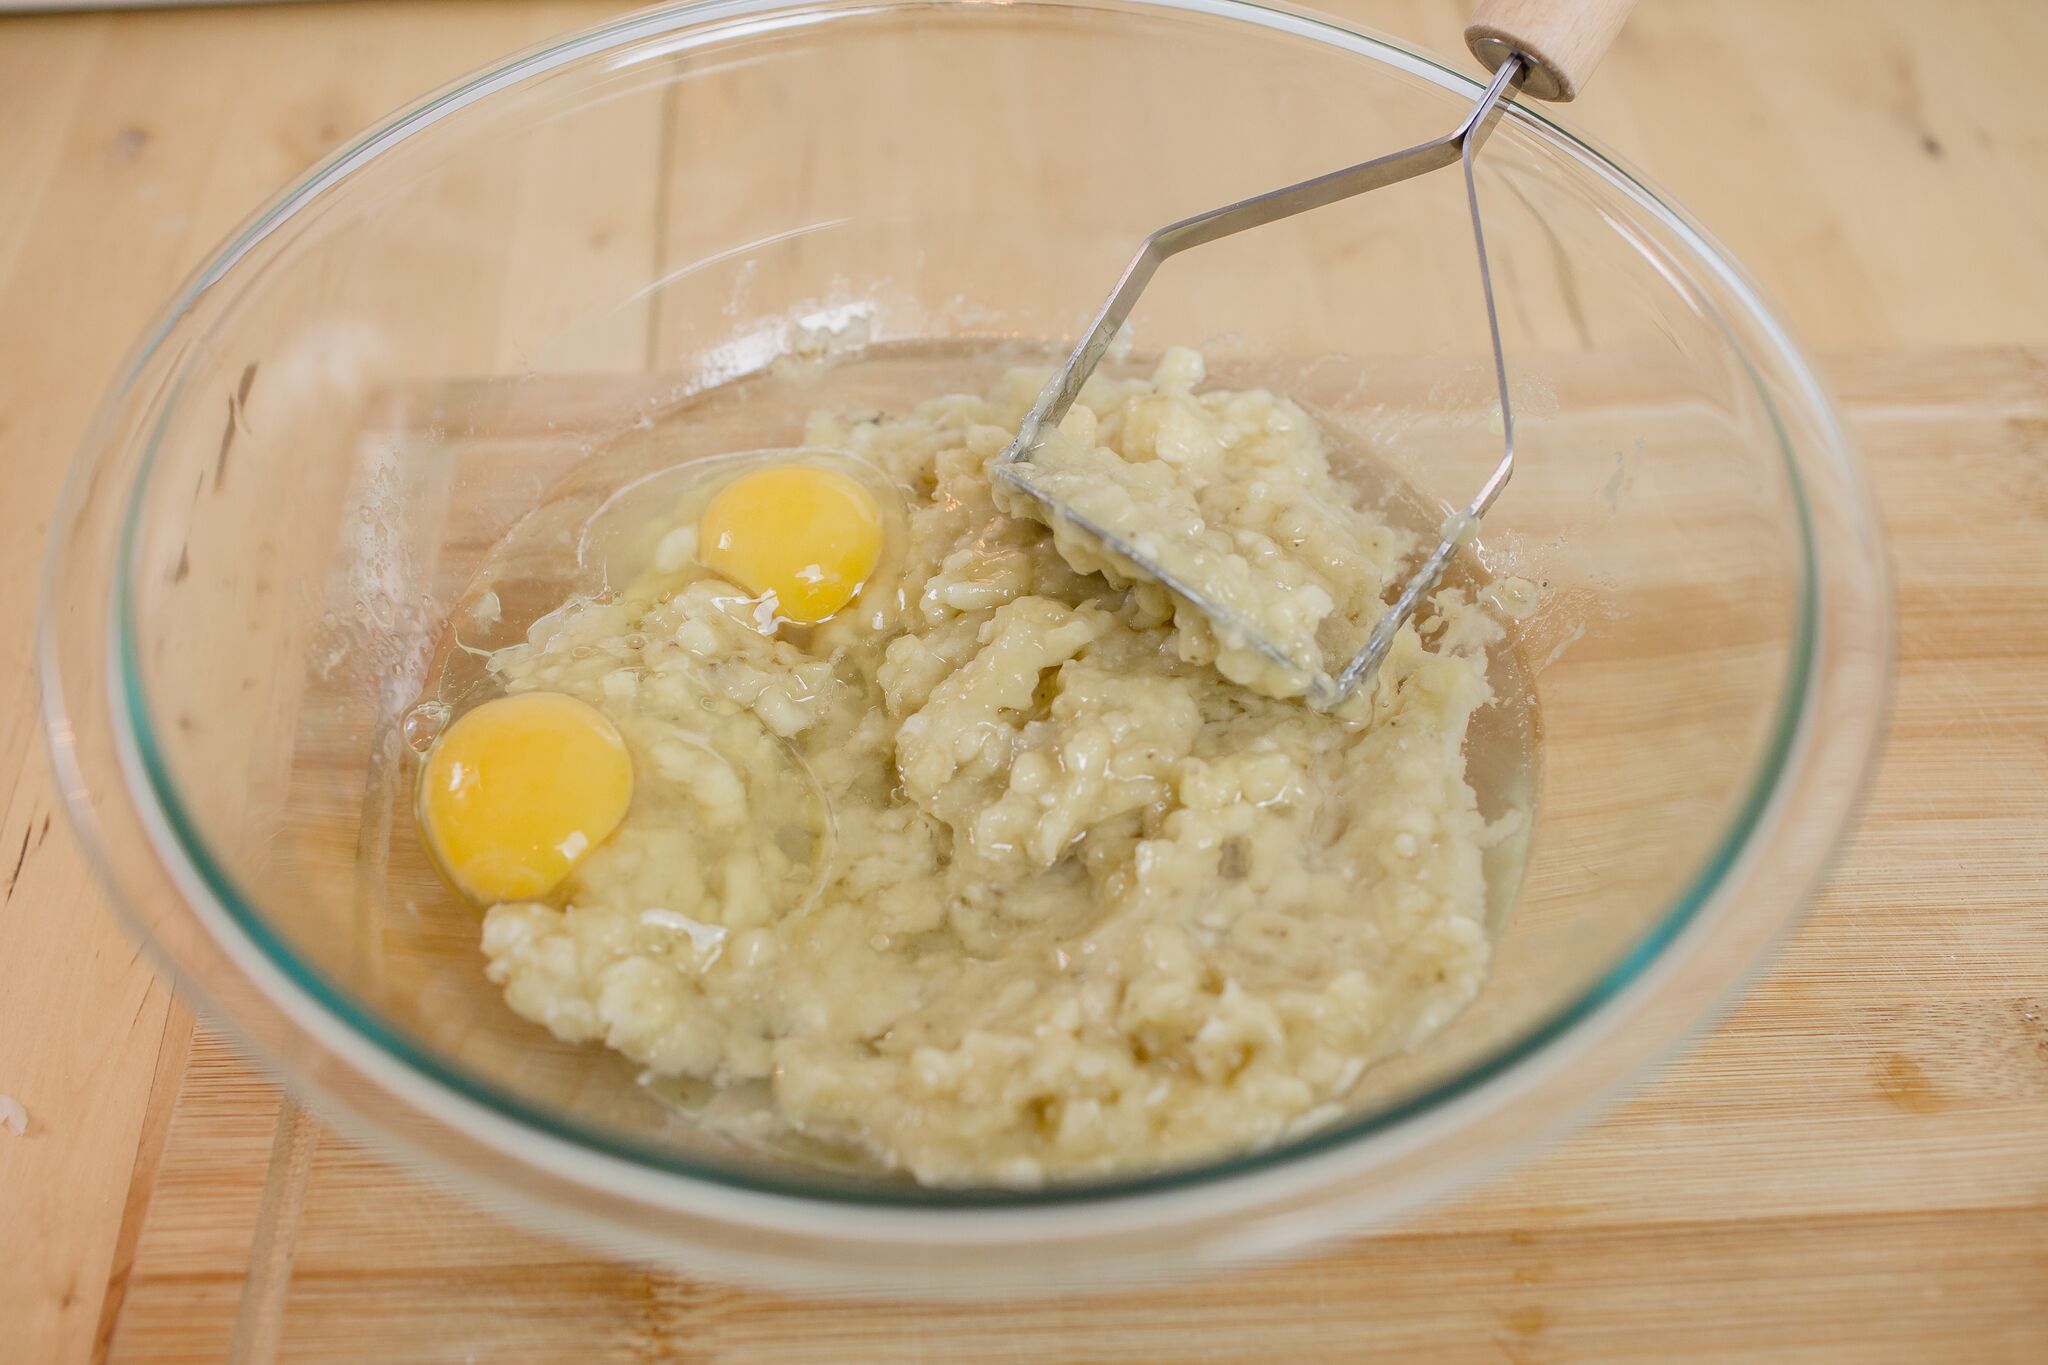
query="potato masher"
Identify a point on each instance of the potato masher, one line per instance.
(1540, 48)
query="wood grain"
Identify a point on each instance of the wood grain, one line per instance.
(1849, 1169)
(126, 151)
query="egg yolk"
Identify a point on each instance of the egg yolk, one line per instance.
(805, 536)
(518, 790)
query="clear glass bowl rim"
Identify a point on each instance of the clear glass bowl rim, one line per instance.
(1793, 710)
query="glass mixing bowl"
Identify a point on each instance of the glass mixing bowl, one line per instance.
(282, 498)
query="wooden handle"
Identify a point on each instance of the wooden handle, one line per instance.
(1563, 40)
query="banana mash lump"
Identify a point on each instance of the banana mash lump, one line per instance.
(997, 877)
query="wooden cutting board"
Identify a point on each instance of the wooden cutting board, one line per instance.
(1853, 1167)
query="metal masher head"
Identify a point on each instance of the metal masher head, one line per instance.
(1568, 36)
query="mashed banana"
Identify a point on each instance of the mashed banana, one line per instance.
(997, 877)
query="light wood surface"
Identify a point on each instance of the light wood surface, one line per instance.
(1851, 1168)
(1564, 39)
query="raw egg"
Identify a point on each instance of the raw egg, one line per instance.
(806, 536)
(516, 792)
